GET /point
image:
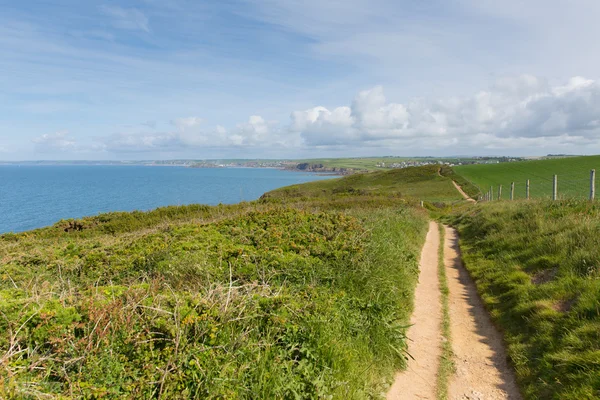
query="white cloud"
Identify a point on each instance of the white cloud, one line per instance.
(58, 141)
(127, 18)
(189, 122)
(140, 142)
(255, 131)
(190, 134)
(522, 110)
(514, 113)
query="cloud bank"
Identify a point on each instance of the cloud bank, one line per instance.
(522, 112)
(513, 112)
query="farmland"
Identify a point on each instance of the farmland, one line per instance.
(573, 176)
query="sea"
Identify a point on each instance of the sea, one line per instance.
(34, 196)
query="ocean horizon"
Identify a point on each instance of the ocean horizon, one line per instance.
(35, 196)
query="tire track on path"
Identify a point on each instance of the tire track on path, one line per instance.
(482, 371)
(424, 336)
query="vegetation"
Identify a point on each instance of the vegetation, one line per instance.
(424, 183)
(573, 176)
(536, 266)
(281, 298)
(446, 367)
(305, 293)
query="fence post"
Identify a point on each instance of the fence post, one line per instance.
(555, 187)
(500, 192)
(512, 191)
(491, 193)
(527, 190)
(592, 184)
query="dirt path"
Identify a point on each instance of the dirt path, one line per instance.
(481, 369)
(462, 192)
(419, 379)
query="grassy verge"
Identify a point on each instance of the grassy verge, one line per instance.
(446, 367)
(536, 265)
(302, 300)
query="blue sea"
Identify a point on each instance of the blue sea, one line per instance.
(37, 196)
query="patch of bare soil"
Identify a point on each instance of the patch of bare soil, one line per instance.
(482, 372)
(419, 379)
(564, 305)
(544, 276)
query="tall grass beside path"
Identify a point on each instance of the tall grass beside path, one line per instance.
(536, 265)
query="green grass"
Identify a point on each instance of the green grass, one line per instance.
(573, 176)
(536, 265)
(258, 300)
(416, 183)
(446, 368)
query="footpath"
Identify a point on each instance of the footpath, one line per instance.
(480, 371)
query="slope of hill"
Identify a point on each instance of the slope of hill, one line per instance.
(256, 300)
(432, 183)
(573, 176)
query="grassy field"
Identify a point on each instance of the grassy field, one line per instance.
(307, 299)
(537, 267)
(416, 183)
(573, 176)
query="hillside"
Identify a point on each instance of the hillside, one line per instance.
(432, 183)
(573, 176)
(256, 300)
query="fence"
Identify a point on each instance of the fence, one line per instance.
(555, 187)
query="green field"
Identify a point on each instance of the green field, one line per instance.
(537, 267)
(573, 176)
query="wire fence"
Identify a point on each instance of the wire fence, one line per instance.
(552, 186)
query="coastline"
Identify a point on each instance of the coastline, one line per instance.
(38, 196)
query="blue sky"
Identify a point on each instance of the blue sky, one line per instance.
(185, 79)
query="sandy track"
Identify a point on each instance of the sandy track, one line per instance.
(482, 372)
(462, 192)
(419, 379)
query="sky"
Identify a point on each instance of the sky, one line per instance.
(175, 79)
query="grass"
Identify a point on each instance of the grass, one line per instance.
(573, 176)
(537, 267)
(416, 183)
(280, 298)
(446, 367)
